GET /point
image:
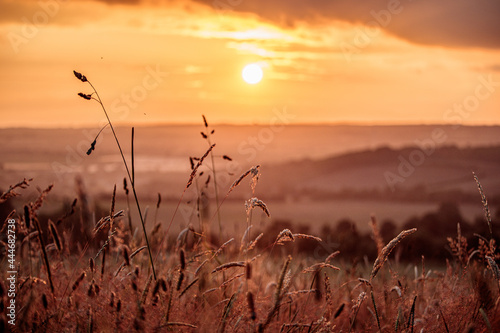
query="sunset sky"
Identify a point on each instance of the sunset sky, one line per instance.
(339, 61)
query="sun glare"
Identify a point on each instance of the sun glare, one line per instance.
(252, 74)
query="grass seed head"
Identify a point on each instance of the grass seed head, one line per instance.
(158, 202)
(494, 267)
(255, 202)
(78, 281)
(55, 236)
(179, 281)
(125, 187)
(382, 258)
(486, 207)
(45, 302)
(112, 299)
(182, 259)
(284, 236)
(248, 271)
(318, 285)
(193, 173)
(91, 265)
(137, 271)
(225, 266)
(331, 256)
(126, 256)
(91, 291)
(80, 76)
(27, 217)
(376, 234)
(254, 171)
(251, 306)
(87, 97)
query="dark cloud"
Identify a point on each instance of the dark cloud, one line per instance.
(449, 23)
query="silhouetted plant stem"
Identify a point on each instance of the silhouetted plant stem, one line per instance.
(207, 137)
(44, 252)
(216, 190)
(130, 176)
(132, 154)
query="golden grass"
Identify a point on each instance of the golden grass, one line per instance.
(208, 290)
(202, 289)
(200, 286)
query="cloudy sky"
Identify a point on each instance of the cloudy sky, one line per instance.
(338, 61)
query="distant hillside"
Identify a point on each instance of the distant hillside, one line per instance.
(386, 173)
(303, 160)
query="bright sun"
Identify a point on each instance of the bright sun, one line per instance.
(252, 74)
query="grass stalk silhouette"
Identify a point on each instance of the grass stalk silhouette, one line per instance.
(131, 176)
(206, 136)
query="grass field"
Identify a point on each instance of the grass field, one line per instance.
(247, 282)
(88, 268)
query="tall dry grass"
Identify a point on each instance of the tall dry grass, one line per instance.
(235, 288)
(259, 284)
